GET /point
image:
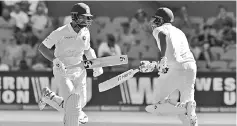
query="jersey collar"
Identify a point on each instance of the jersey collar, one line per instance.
(72, 31)
(167, 24)
(70, 28)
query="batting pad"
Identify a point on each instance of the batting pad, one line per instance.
(72, 120)
(165, 109)
(73, 104)
(72, 110)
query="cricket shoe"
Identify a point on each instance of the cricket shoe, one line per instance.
(46, 93)
(191, 113)
(83, 119)
(164, 109)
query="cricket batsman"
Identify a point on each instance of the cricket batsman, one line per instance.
(176, 70)
(71, 42)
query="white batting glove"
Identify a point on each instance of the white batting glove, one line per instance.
(97, 71)
(146, 66)
(162, 66)
(59, 66)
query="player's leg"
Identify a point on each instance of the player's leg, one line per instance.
(49, 97)
(166, 89)
(187, 95)
(167, 106)
(72, 110)
(73, 105)
(80, 87)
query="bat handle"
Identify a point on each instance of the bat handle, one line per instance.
(136, 71)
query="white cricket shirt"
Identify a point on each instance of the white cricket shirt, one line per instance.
(69, 46)
(177, 47)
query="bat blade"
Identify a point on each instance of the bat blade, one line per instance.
(115, 81)
(102, 62)
(109, 61)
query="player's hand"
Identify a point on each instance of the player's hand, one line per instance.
(97, 71)
(146, 66)
(162, 66)
(59, 66)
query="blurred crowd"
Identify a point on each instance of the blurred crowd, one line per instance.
(24, 25)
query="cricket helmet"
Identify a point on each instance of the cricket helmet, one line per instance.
(162, 15)
(80, 13)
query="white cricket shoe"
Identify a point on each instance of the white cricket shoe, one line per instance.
(83, 119)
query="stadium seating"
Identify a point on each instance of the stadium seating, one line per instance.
(202, 65)
(149, 54)
(219, 65)
(223, 57)
(119, 20)
(232, 65)
(216, 52)
(229, 55)
(196, 20)
(103, 19)
(210, 20)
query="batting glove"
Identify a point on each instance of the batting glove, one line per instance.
(146, 66)
(97, 71)
(162, 66)
(59, 66)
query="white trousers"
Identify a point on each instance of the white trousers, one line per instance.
(182, 78)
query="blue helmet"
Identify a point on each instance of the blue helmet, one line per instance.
(162, 15)
(80, 13)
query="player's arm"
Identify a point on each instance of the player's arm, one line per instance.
(163, 44)
(90, 53)
(146, 66)
(162, 62)
(46, 45)
(46, 52)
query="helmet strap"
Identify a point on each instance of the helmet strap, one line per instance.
(76, 27)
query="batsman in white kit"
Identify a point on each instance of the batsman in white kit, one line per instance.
(176, 69)
(71, 42)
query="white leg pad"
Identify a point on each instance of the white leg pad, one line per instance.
(72, 110)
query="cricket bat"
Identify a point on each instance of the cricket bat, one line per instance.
(101, 62)
(117, 80)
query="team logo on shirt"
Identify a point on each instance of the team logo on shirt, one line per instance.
(69, 37)
(84, 38)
